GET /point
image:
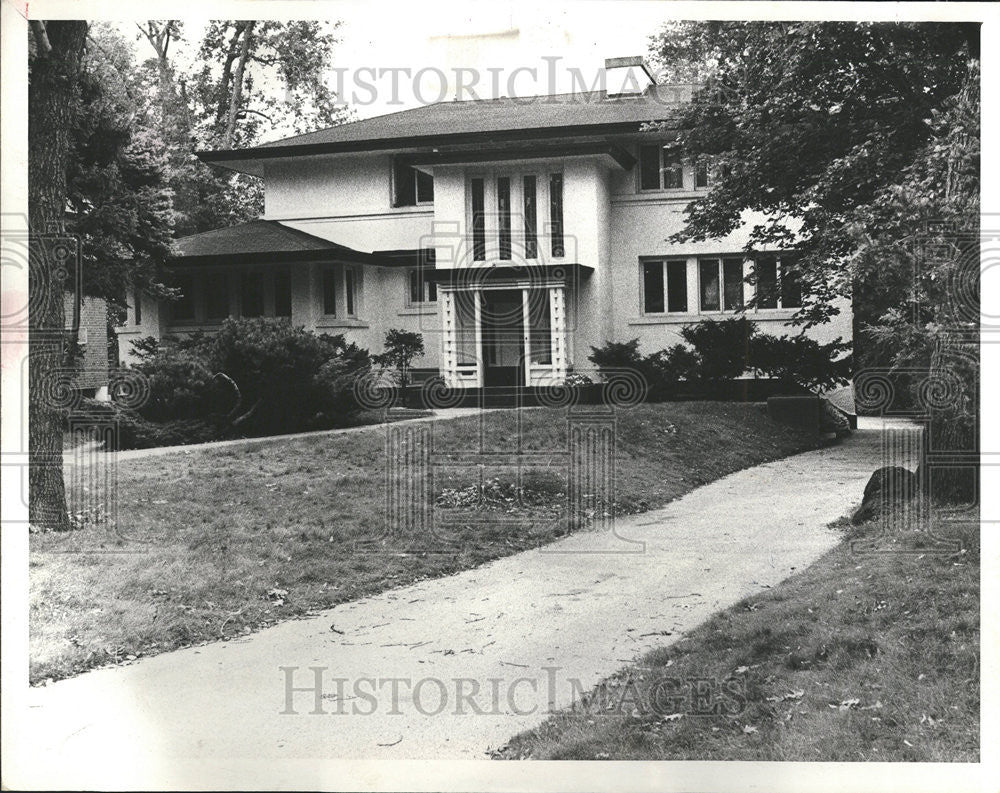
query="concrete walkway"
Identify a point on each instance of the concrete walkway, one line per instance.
(523, 630)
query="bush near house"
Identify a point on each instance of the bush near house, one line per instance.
(717, 352)
(252, 377)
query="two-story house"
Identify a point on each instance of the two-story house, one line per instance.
(513, 233)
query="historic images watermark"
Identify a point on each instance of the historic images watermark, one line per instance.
(319, 691)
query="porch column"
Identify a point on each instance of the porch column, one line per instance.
(477, 297)
(449, 359)
(557, 323)
(526, 324)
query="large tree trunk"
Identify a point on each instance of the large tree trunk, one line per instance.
(51, 109)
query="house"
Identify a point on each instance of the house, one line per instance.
(513, 233)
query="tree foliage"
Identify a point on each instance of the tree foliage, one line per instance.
(859, 142)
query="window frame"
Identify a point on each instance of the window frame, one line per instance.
(427, 284)
(664, 262)
(779, 278)
(721, 260)
(206, 277)
(397, 189)
(352, 291)
(663, 166)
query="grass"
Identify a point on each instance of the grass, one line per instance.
(216, 543)
(868, 656)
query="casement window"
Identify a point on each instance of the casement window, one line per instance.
(478, 187)
(283, 293)
(664, 286)
(660, 168)
(252, 295)
(411, 187)
(503, 216)
(556, 214)
(330, 292)
(702, 174)
(777, 285)
(351, 291)
(137, 309)
(540, 324)
(183, 307)
(216, 291)
(720, 284)
(530, 218)
(421, 290)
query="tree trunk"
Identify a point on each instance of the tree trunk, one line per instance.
(237, 90)
(51, 110)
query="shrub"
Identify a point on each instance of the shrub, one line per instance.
(401, 347)
(255, 376)
(132, 431)
(801, 361)
(719, 351)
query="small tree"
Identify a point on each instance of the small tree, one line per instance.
(401, 347)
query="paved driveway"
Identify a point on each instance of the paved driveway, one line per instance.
(494, 648)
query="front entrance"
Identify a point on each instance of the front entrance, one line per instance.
(503, 337)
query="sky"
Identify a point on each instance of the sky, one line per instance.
(508, 46)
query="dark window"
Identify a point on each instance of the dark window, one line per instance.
(766, 270)
(677, 286)
(709, 275)
(350, 285)
(540, 326)
(282, 293)
(530, 219)
(503, 206)
(410, 186)
(478, 220)
(421, 289)
(183, 308)
(701, 173)
(330, 292)
(253, 295)
(425, 188)
(652, 287)
(673, 173)
(791, 287)
(216, 296)
(732, 278)
(556, 213)
(649, 167)
(138, 307)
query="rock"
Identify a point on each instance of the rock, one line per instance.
(889, 486)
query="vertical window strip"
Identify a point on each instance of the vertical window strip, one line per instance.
(709, 284)
(330, 292)
(478, 220)
(556, 214)
(530, 218)
(677, 288)
(766, 277)
(503, 207)
(282, 293)
(216, 296)
(732, 279)
(652, 287)
(137, 309)
(350, 284)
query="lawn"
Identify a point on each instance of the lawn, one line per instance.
(216, 543)
(860, 657)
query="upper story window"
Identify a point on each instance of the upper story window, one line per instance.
(410, 187)
(420, 289)
(660, 168)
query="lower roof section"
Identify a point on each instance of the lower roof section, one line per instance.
(272, 242)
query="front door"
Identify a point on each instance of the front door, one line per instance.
(503, 337)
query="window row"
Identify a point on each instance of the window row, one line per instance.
(213, 296)
(504, 199)
(719, 284)
(661, 167)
